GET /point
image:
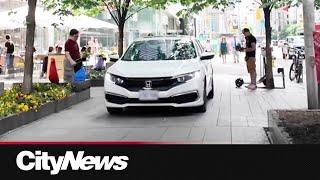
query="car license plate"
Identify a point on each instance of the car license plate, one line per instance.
(148, 95)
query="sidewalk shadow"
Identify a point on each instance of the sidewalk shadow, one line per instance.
(155, 112)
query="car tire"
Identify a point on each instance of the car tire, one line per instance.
(115, 110)
(203, 108)
(211, 93)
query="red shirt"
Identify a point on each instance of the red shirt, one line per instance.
(72, 47)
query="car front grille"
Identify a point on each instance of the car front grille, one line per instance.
(180, 99)
(159, 84)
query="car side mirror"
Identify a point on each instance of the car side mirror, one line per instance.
(114, 58)
(207, 56)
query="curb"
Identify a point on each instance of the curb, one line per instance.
(276, 131)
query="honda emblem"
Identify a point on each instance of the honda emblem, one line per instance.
(148, 84)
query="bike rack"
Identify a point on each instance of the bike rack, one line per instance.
(279, 70)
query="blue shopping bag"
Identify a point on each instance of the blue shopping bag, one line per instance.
(80, 75)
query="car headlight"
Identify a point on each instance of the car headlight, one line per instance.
(114, 79)
(186, 77)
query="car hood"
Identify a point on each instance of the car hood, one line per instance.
(151, 69)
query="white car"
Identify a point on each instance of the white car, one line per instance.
(160, 71)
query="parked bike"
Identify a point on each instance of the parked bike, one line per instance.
(296, 69)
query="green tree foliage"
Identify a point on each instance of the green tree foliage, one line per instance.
(289, 30)
(120, 10)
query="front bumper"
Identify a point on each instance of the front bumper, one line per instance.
(184, 95)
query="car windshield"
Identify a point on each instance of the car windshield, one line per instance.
(155, 50)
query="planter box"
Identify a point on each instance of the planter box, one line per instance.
(45, 110)
(97, 82)
(1, 88)
(294, 126)
(9, 123)
(83, 95)
(72, 100)
(61, 104)
(78, 87)
(17, 120)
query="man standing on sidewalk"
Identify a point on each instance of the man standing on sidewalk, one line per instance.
(250, 57)
(9, 53)
(72, 52)
(235, 47)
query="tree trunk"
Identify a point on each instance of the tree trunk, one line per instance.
(120, 39)
(269, 72)
(28, 64)
(309, 27)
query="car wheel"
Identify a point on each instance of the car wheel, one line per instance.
(211, 93)
(114, 110)
(203, 108)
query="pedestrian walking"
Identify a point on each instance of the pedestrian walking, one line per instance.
(250, 58)
(235, 49)
(72, 56)
(223, 49)
(9, 45)
(285, 51)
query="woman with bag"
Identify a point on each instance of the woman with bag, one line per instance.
(72, 62)
(224, 49)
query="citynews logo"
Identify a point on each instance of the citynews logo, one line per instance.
(42, 161)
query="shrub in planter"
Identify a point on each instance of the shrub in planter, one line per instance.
(97, 74)
(13, 101)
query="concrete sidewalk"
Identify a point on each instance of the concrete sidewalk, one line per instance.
(234, 116)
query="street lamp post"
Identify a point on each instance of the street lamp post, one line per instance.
(309, 28)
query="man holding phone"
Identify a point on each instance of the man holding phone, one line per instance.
(250, 58)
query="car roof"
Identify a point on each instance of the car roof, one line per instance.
(168, 37)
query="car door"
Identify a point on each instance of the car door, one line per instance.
(206, 64)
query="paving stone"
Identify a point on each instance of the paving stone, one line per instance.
(218, 135)
(248, 135)
(154, 134)
(197, 134)
(173, 134)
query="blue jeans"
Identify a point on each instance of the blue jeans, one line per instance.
(9, 60)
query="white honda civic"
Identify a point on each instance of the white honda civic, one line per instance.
(160, 71)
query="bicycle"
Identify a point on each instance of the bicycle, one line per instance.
(296, 69)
